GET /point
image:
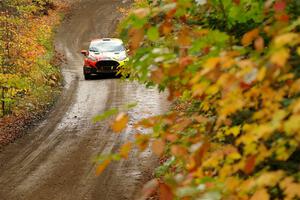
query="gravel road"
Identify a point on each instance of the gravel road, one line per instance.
(55, 160)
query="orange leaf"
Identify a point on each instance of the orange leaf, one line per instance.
(120, 122)
(177, 150)
(141, 141)
(157, 76)
(141, 12)
(148, 122)
(148, 189)
(158, 147)
(166, 27)
(171, 137)
(250, 164)
(136, 36)
(165, 192)
(199, 154)
(181, 125)
(102, 166)
(175, 70)
(259, 44)
(183, 38)
(249, 37)
(125, 149)
(191, 163)
(261, 194)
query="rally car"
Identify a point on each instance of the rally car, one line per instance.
(104, 56)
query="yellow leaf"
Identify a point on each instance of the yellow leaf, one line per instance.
(233, 156)
(225, 171)
(295, 107)
(235, 131)
(211, 63)
(292, 125)
(280, 57)
(261, 194)
(158, 147)
(269, 179)
(291, 189)
(195, 79)
(287, 38)
(298, 51)
(200, 88)
(261, 74)
(120, 122)
(212, 90)
(232, 183)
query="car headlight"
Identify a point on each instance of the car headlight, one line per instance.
(92, 58)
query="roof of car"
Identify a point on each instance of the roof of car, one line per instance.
(107, 40)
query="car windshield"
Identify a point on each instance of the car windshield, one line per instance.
(107, 47)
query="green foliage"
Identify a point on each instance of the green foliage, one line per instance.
(233, 68)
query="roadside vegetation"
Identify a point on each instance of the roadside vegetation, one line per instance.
(29, 73)
(231, 68)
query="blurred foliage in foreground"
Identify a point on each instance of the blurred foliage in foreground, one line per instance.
(27, 72)
(232, 67)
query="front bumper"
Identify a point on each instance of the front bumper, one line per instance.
(104, 66)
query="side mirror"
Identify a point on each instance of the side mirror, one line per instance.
(84, 52)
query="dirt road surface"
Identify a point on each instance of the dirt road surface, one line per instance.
(55, 160)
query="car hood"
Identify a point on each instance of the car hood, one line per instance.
(108, 55)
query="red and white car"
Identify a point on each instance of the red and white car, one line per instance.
(104, 56)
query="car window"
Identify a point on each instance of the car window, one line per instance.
(93, 49)
(107, 47)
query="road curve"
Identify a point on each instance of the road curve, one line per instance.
(55, 160)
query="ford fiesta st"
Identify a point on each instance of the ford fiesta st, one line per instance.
(104, 56)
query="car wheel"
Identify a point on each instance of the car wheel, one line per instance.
(87, 76)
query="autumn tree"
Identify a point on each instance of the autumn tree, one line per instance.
(232, 71)
(25, 34)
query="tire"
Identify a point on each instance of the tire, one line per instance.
(87, 76)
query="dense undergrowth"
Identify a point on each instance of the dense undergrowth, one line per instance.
(29, 75)
(232, 67)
